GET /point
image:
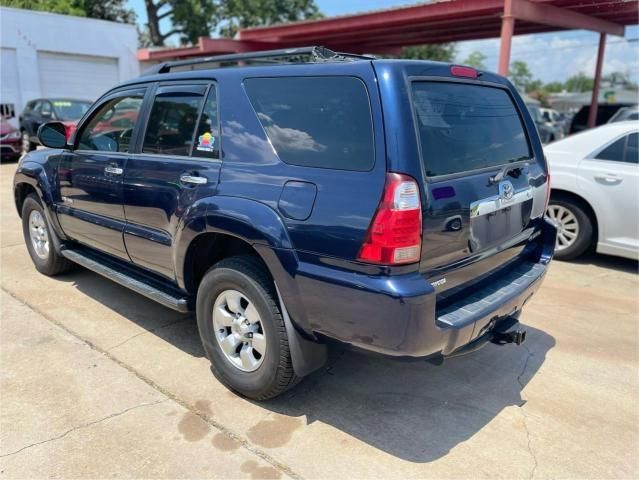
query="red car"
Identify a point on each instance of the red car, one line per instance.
(10, 141)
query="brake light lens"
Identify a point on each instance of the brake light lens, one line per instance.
(461, 71)
(69, 128)
(395, 233)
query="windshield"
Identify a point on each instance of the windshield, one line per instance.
(466, 127)
(70, 109)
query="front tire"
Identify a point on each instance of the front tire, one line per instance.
(37, 236)
(242, 329)
(574, 228)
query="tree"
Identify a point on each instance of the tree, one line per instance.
(579, 83)
(443, 52)
(475, 60)
(238, 14)
(520, 75)
(113, 10)
(554, 87)
(190, 19)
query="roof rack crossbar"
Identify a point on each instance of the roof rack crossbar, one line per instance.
(317, 54)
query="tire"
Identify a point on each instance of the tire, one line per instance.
(239, 368)
(570, 217)
(42, 251)
(27, 144)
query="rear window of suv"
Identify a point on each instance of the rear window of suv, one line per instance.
(465, 127)
(320, 122)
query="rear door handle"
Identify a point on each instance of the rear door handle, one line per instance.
(113, 170)
(193, 179)
(609, 178)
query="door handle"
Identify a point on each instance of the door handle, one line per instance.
(113, 170)
(193, 179)
(609, 178)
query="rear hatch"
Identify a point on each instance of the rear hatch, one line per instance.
(485, 186)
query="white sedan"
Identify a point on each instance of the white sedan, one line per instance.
(595, 191)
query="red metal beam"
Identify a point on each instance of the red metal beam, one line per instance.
(507, 30)
(594, 101)
(562, 17)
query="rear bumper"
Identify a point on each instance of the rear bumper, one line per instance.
(401, 316)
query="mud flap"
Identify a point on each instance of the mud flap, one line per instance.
(307, 356)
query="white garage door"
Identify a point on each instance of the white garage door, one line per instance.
(9, 93)
(76, 76)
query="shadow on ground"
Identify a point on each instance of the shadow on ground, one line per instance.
(410, 409)
(608, 261)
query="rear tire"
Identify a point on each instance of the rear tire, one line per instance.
(241, 293)
(27, 144)
(574, 228)
(37, 236)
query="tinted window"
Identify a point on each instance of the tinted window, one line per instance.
(45, 111)
(70, 109)
(172, 122)
(614, 151)
(208, 134)
(316, 121)
(111, 127)
(465, 127)
(632, 148)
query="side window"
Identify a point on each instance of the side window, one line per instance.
(111, 127)
(46, 110)
(613, 152)
(320, 122)
(172, 121)
(208, 131)
(37, 107)
(632, 149)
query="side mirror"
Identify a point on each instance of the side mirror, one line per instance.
(52, 135)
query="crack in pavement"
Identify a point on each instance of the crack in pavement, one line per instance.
(525, 416)
(84, 425)
(245, 443)
(151, 330)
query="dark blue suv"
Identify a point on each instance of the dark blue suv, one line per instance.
(303, 197)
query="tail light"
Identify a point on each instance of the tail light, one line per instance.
(69, 128)
(462, 71)
(395, 233)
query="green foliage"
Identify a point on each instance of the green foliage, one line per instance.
(579, 83)
(443, 52)
(113, 10)
(475, 60)
(520, 75)
(238, 14)
(554, 87)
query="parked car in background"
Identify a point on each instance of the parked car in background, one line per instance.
(625, 114)
(42, 110)
(595, 191)
(10, 141)
(292, 227)
(548, 132)
(605, 111)
(555, 118)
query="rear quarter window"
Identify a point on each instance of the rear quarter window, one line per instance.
(464, 127)
(322, 122)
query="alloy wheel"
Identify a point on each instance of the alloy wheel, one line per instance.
(239, 330)
(38, 234)
(567, 226)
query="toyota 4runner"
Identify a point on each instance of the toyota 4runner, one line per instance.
(299, 198)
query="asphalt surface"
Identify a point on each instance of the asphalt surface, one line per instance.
(96, 381)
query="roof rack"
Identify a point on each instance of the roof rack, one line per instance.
(317, 54)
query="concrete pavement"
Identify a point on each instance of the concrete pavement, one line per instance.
(564, 405)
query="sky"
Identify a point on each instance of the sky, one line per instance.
(550, 56)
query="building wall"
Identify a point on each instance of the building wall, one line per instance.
(94, 55)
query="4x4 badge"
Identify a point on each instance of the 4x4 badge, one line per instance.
(506, 190)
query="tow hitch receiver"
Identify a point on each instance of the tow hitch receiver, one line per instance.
(514, 336)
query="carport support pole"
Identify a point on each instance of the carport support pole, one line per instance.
(594, 101)
(507, 29)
